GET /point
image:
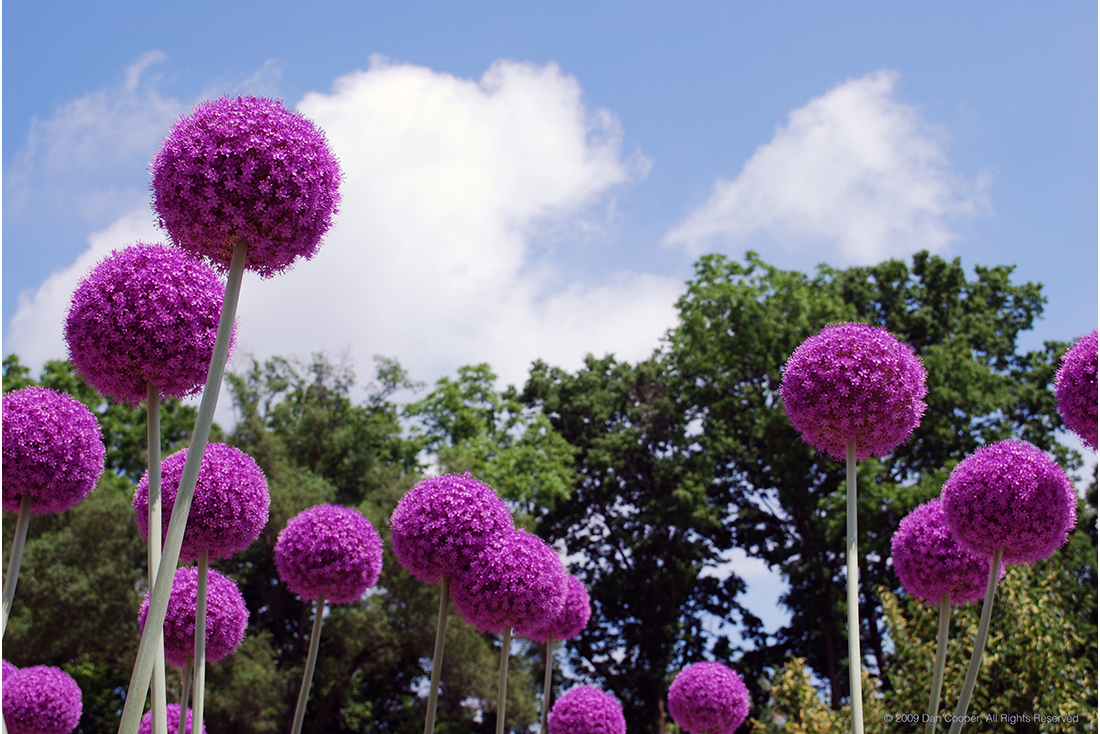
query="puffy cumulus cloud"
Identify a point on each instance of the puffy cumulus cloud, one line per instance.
(854, 169)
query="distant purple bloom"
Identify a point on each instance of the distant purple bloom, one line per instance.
(516, 580)
(230, 505)
(854, 382)
(53, 450)
(226, 617)
(42, 700)
(146, 725)
(329, 551)
(929, 562)
(442, 522)
(1011, 496)
(246, 168)
(708, 697)
(586, 710)
(1075, 386)
(572, 618)
(146, 314)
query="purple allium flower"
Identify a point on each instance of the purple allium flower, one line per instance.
(42, 700)
(708, 697)
(229, 509)
(516, 580)
(329, 551)
(1075, 386)
(442, 522)
(145, 314)
(226, 617)
(854, 382)
(146, 725)
(246, 168)
(8, 671)
(586, 710)
(572, 618)
(930, 562)
(53, 450)
(1011, 496)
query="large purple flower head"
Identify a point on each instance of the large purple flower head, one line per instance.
(516, 580)
(854, 382)
(708, 698)
(229, 508)
(329, 551)
(226, 617)
(53, 450)
(929, 561)
(572, 618)
(8, 670)
(1010, 496)
(1075, 386)
(146, 725)
(246, 168)
(586, 710)
(441, 523)
(145, 314)
(41, 700)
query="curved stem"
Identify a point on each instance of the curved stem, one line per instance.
(979, 644)
(152, 421)
(941, 660)
(437, 658)
(16, 561)
(547, 684)
(311, 663)
(502, 695)
(855, 660)
(185, 691)
(200, 644)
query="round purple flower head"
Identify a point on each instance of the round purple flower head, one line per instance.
(1075, 386)
(440, 524)
(229, 509)
(331, 552)
(586, 710)
(572, 618)
(146, 725)
(708, 697)
(929, 561)
(9, 670)
(246, 168)
(854, 382)
(53, 450)
(1011, 496)
(515, 581)
(226, 617)
(145, 314)
(42, 700)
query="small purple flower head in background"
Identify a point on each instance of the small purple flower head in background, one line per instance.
(442, 522)
(230, 505)
(515, 581)
(146, 314)
(246, 168)
(572, 618)
(329, 551)
(1075, 386)
(42, 700)
(929, 562)
(1010, 496)
(854, 382)
(226, 617)
(53, 450)
(146, 725)
(708, 698)
(586, 710)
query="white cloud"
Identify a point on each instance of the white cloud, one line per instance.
(854, 169)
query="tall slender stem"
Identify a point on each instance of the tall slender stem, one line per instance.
(855, 660)
(16, 561)
(200, 644)
(437, 658)
(941, 660)
(311, 663)
(152, 422)
(502, 694)
(547, 683)
(979, 644)
(185, 692)
(158, 598)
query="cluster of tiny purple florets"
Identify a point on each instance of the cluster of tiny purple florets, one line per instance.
(41, 700)
(572, 618)
(8, 670)
(246, 168)
(708, 697)
(442, 522)
(1010, 496)
(586, 710)
(146, 725)
(854, 382)
(53, 450)
(226, 617)
(230, 505)
(331, 552)
(929, 561)
(147, 314)
(1075, 386)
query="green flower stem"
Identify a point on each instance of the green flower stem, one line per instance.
(158, 597)
(200, 644)
(185, 692)
(854, 658)
(502, 695)
(152, 413)
(311, 663)
(437, 658)
(547, 683)
(941, 660)
(979, 644)
(17, 545)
